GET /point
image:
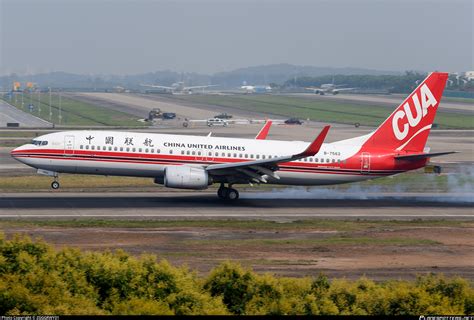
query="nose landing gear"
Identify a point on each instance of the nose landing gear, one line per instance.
(227, 193)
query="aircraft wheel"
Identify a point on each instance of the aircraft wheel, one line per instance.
(232, 194)
(222, 192)
(55, 185)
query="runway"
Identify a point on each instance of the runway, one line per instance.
(205, 205)
(386, 101)
(9, 113)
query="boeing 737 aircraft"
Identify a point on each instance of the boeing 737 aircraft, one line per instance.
(196, 162)
(328, 88)
(178, 87)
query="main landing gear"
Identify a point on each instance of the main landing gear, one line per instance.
(55, 185)
(227, 193)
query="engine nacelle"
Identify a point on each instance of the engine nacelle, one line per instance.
(186, 177)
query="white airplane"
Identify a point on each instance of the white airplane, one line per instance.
(255, 89)
(178, 87)
(196, 162)
(328, 88)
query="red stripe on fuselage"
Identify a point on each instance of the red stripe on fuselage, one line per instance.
(183, 159)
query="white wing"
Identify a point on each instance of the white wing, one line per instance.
(255, 171)
(156, 86)
(200, 87)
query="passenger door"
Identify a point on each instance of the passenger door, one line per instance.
(68, 145)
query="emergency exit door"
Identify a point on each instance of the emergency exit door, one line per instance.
(365, 162)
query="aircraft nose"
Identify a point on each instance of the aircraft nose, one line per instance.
(16, 151)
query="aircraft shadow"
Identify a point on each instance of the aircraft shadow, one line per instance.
(207, 201)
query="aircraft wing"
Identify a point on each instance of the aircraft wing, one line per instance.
(255, 171)
(343, 89)
(262, 135)
(317, 89)
(200, 87)
(156, 86)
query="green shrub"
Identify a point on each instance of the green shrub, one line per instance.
(36, 279)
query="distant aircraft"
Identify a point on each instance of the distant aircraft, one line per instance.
(178, 87)
(255, 89)
(196, 162)
(328, 88)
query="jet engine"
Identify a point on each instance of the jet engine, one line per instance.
(186, 177)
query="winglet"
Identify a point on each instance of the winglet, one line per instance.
(315, 145)
(262, 135)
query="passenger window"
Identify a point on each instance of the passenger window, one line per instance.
(333, 161)
(235, 155)
(246, 155)
(104, 148)
(217, 154)
(146, 150)
(128, 149)
(133, 150)
(171, 151)
(81, 146)
(121, 148)
(223, 154)
(110, 148)
(263, 157)
(258, 156)
(193, 153)
(92, 147)
(199, 153)
(87, 147)
(251, 156)
(152, 150)
(229, 155)
(115, 148)
(157, 150)
(140, 150)
(310, 159)
(240, 155)
(327, 160)
(210, 153)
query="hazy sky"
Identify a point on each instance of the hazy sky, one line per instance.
(125, 37)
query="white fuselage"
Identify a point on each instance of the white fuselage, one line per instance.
(148, 154)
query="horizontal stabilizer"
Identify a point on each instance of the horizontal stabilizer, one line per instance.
(414, 157)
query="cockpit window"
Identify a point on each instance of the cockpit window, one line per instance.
(39, 143)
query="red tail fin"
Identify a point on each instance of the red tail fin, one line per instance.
(409, 125)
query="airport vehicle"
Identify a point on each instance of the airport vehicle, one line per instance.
(328, 88)
(178, 87)
(154, 113)
(293, 121)
(216, 122)
(168, 115)
(223, 116)
(195, 162)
